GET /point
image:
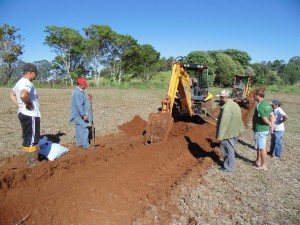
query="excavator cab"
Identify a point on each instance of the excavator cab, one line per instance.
(199, 97)
(181, 100)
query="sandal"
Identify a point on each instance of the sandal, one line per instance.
(260, 168)
(257, 164)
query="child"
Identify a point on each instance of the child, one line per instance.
(277, 135)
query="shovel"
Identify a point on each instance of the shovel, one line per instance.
(92, 122)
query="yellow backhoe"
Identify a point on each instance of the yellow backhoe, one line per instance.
(241, 90)
(183, 101)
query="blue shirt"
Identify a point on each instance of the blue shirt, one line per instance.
(80, 105)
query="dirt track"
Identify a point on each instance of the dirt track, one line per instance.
(119, 182)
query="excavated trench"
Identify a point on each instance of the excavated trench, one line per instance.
(112, 184)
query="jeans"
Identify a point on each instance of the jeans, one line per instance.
(227, 147)
(276, 143)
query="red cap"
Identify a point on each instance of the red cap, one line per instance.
(82, 81)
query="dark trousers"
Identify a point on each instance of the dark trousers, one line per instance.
(30, 129)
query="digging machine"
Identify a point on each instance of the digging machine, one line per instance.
(182, 101)
(241, 90)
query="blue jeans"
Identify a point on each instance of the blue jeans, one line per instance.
(276, 143)
(228, 150)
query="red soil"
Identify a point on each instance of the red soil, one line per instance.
(112, 184)
(109, 185)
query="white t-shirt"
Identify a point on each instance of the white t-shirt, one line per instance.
(22, 84)
(279, 114)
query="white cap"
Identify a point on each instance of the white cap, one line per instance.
(224, 93)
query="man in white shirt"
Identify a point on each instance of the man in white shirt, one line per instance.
(25, 98)
(277, 136)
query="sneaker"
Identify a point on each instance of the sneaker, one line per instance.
(224, 170)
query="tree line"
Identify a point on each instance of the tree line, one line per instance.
(102, 52)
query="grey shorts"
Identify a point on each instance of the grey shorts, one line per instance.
(261, 139)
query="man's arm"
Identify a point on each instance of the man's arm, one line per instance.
(224, 123)
(270, 122)
(13, 97)
(78, 103)
(26, 99)
(284, 118)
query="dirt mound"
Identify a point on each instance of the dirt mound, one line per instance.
(135, 127)
(112, 184)
(248, 113)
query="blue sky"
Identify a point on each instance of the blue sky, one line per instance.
(266, 29)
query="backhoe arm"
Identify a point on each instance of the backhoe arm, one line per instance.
(179, 84)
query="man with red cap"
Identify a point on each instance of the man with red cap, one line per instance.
(81, 114)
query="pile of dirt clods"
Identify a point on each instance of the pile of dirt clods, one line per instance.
(112, 184)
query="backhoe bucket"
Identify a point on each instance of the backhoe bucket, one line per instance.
(207, 113)
(210, 119)
(158, 127)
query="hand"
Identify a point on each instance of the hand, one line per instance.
(271, 129)
(29, 106)
(85, 117)
(90, 96)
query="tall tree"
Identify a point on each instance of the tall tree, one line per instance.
(68, 44)
(166, 63)
(261, 71)
(291, 72)
(202, 57)
(226, 69)
(122, 44)
(11, 49)
(276, 65)
(240, 56)
(143, 62)
(295, 59)
(99, 47)
(44, 67)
